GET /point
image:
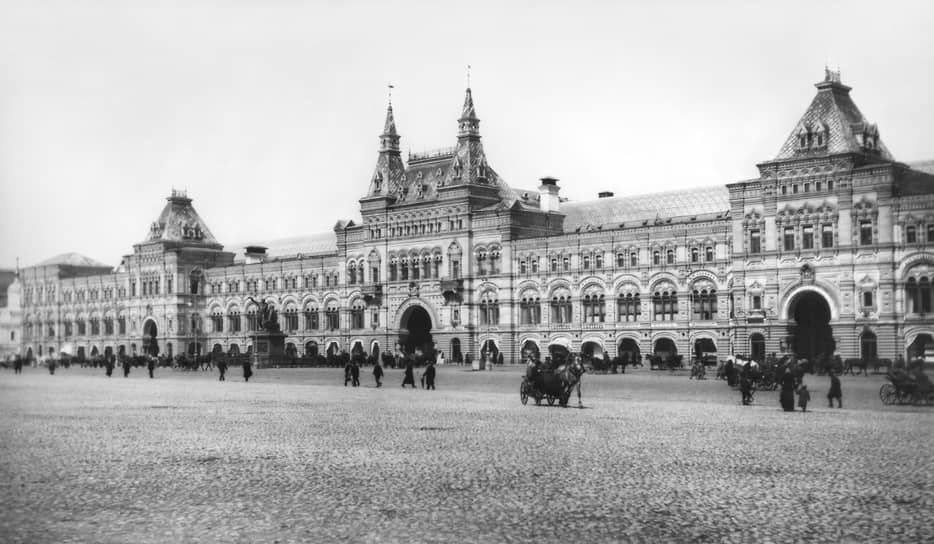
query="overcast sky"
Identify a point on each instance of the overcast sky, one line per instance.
(268, 112)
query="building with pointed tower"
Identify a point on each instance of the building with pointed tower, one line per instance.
(828, 250)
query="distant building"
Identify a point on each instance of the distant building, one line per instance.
(828, 250)
(11, 314)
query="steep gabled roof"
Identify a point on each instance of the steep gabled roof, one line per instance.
(833, 124)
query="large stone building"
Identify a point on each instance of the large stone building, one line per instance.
(830, 248)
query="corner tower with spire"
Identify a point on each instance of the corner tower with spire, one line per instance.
(389, 171)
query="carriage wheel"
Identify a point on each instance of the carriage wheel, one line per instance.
(524, 393)
(888, 394)
(551, 400)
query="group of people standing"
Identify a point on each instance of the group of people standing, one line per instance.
(352, 374)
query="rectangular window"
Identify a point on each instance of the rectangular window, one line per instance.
(670, 257)
(656, 258)
(756, 302)
(523, 267)
(830, 185)
(633, 259)
(910, 235)
(789, 238)
(807, 187)
(826, 235)
(867, 299)
(535, 265)
(865, 233)
(931, 233)
(709, 254)
(586, 262)
(455, 269)
(817, 186)
(807, 237)
(567, 264)
(784, 189)
(598, 262)
(794, 188)
(168, 286)
(620, 260)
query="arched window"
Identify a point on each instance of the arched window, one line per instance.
(704, 304)
(670, 256)
(598, 261)
(594, 308)
(561, 309)
(489, 310)
(311, 318)
(291, 318)
(665, 304)
(656, 258)
(534, 262)
(628, 307)
(332, 313)
(530, 311)
(356, 315)
(695, 255)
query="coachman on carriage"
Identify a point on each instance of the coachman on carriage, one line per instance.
(552, 381)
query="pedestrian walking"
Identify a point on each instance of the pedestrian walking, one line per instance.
(151, 366)
(409, 378)
(109, 367)
(787, 395)
(247, 370)
(126, 367)
(347, 374)
(836, 392)
(378, 374)
(745, 387)
(803, 397)
(18, 365)
(428, 377)
(222, 368)
(52, 365)
(354, 373)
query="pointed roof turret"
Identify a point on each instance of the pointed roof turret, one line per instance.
(832, 125)
(390, 170)
(181, 224)
(469, 123)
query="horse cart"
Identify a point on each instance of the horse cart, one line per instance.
(552, 385)
(903, 388)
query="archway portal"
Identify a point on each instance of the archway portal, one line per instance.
(629, 351)
(922, 348)
(150, 345)
(415, 331)
(811, 334)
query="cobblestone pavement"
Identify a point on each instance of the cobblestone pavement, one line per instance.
(294, 456)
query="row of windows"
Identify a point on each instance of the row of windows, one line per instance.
(912, 234)
(806, 187)
(81, 327)
(623, 260)
(805, 236)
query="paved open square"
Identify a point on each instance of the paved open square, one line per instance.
(294, 456)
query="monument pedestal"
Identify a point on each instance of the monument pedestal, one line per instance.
(268, 348)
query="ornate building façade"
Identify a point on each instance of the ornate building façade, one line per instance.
(830, 248)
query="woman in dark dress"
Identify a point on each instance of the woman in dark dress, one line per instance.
(409, 374)
(787, 396)
(247, 370)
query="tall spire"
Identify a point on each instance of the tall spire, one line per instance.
(389, 168)
(469, 123)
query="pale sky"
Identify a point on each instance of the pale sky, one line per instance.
(268, 112)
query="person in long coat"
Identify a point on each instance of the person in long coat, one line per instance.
(354, 373)
(409, 378)
(222, 368)
(109, 366)
(247, 370)
(378, 374)
(151, 366)
(126, 367)
(429, 376)
(836, 392)
(787, 395)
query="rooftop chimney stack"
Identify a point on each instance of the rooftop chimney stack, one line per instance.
(605, 194)
(549, 194)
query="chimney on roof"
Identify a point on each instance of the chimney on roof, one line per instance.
(255, 254)
(548, 191)
(605, 194)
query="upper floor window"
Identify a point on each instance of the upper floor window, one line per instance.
(566, 262)
(594, 309)
(708, 254)
(633, 259)
(665, 305)
(523, 267)
(789, 239)
(598, 261)
(931, 233)
(918, 295)
(807, 237)
(628, 307)
(620, 260)
(656, 258)
(554, 265)
(535, 265)
(695, 255)
(586, 262)
(755, 241)
(530, 311)
(826, 235)
(704, 304)
(670, 257)
(865, 233)
(911, 235)
(561, 310)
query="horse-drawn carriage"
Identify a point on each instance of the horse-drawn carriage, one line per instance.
(904, 388)
(552, 383)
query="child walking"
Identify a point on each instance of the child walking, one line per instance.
(803, 397)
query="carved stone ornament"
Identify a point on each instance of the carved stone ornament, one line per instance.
(807, 274)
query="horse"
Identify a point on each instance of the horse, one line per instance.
(557, 382)
(860, 365)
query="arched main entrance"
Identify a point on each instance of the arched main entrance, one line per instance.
(415, 331)
(811, 334)
(629, 351)
(150, 345)
(921, 348)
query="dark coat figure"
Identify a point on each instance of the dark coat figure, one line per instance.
(222, 368)
(745, 387)
(52, 365)
(409, 378)
(126, 367)
(804, 396)
(347, 374)
(17, 366)
(836, 392)
(728, 372)
(429, 376)
(355, 374)
(247, 370)
(109, 367)
(378, 374)
(787, 395)
(151, 366)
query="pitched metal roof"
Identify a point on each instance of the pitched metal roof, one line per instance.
(179, 222)
(633, 210)
(310, 245)
(73, 259)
